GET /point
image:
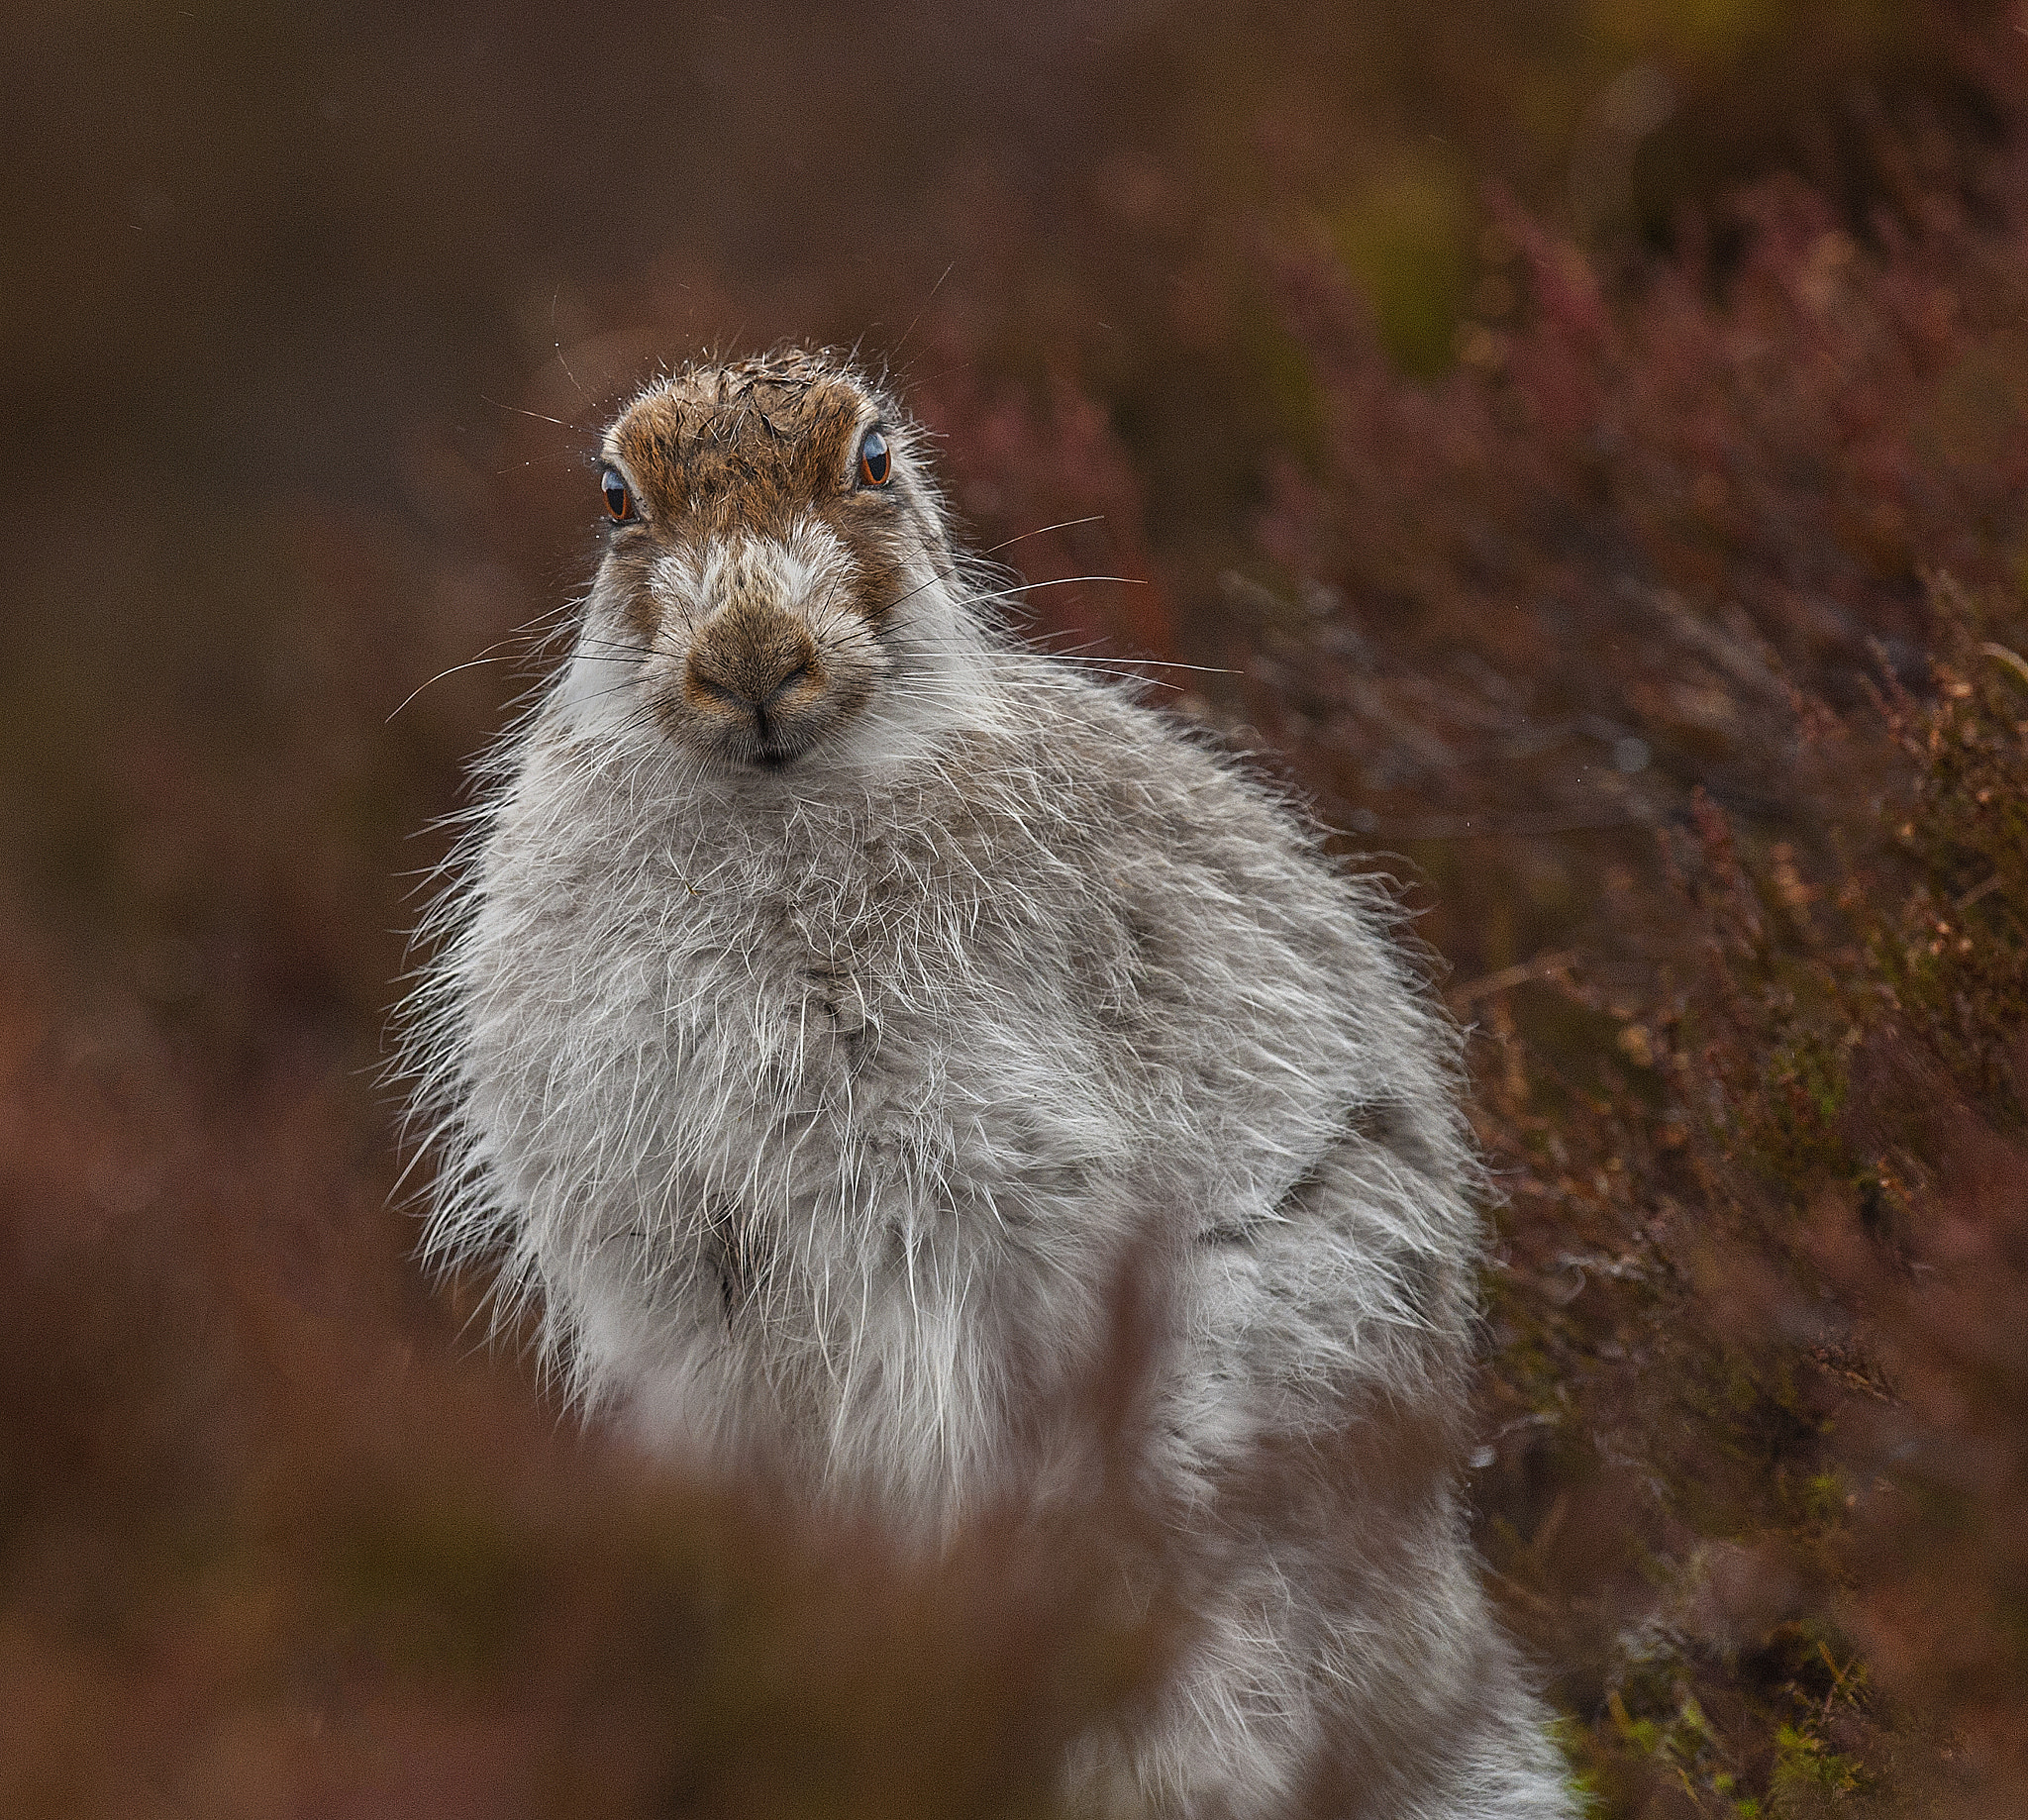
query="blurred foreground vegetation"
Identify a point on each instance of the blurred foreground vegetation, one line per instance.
(1582, 442)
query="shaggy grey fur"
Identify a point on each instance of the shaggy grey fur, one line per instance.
(824, 1107)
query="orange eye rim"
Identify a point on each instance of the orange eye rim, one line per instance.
(877, 458)
(618, 497)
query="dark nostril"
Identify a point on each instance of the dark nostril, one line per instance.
(703, 682)
(787, 682)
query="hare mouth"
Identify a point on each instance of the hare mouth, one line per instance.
(772, 746)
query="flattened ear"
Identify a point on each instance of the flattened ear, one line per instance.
(826, 429)
(650, 438)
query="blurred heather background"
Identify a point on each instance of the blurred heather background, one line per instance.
(1584, 444)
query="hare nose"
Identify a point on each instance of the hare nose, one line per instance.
(752, 657)
(750, 685)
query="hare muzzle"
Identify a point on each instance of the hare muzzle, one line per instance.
(756, 682)
(753, 660)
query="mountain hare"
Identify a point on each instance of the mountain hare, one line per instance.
(839, 1003)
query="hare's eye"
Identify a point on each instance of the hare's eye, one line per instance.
(874, 463)
(618, 505)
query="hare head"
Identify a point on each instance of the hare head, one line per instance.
(777, 571)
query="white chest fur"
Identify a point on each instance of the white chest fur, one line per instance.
(800, 1129)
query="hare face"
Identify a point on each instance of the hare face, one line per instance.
(771, 530)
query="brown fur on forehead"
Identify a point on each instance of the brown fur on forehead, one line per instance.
(769, 435)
